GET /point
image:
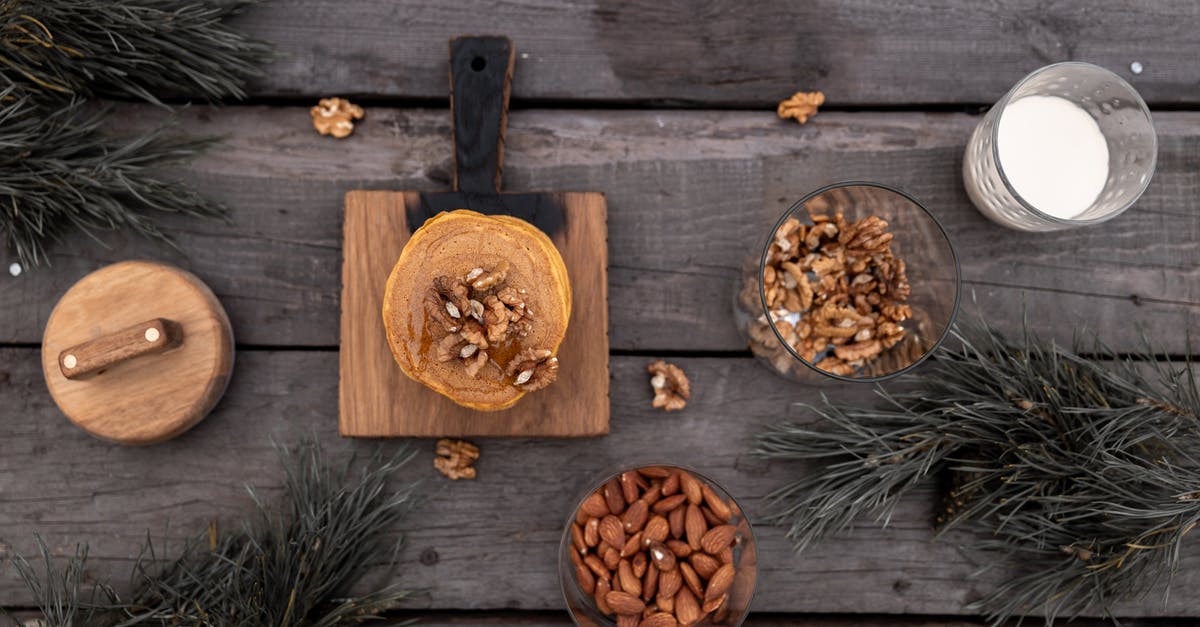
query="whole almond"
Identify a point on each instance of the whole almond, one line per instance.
(596, 565)
(687, 609)
(669, 583)
(716, 504)
(635, 516)
(628, 620)
(710, 517)
(639, 563)
(691, 487)
(576, 557)
(624, 603)
(629, 487)
(613, 496)
(691, 578)
(591, 531)
(581, 516)
(612, 531)
(655, 472)
(665, 603)
(658, 619)
(629, 582)
(649, 581)
(725, 556)
(587, 581)
(632, 545)
(705, 565)
(669, 503)
(712, 604)
(676, 520)
(657, 529)
(653, 492)
(611, 558)
(719, 584)
(679, 548)
(595, 506)
(693, 523)
(671, 484)
(577, 538)
(662, 557)
(718, 538)
(601, 596)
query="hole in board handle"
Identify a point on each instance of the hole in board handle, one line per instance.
(478, 63)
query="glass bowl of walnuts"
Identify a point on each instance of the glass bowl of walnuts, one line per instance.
(856, 281)
(657, 545)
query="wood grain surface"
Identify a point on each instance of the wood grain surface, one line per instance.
(378, 400)
(729, 52)
(151, 398)
(687, 194)
(469, 535)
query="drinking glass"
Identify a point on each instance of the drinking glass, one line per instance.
(1124, 120)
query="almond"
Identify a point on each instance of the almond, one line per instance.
(628, 620)
(716, 504)
(676, 520)
(576, 557)
(601, 596)
(670, 484)
(665, 603)
(691, 487)
(726, 555)
(687, 609)
(591, 531)
(669, 503)
(613, 532)
(629, 581)
(691, 578)
(657, 529)
(712, 604)
(718, 538)
(595, 565)
(662, 557)
(594, 506)
(635, 517)
(611, 558)
(719, 584)
(639, 563)
(658, 619)
(693, 523)
(655, 472)
(653, 493)
(632, 545)
(613, 496)
(577, 538)
(581, 516)
(704, 565)
(649, 581)
(710, 517)
(679, 548)
(629, 487)
(624, 603)
(587, 581)
(669, 583)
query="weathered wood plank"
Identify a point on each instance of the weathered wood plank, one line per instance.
(470, 535)
(688, 192)
(727, 53)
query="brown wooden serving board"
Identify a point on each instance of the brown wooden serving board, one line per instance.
(376, 399)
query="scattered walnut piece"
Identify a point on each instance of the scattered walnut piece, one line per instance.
(533, 369)
(835, 292)
(454, 458)
(671, 387)
(334, 116)
(801, 106)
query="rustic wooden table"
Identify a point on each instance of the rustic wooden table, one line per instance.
(668, 107)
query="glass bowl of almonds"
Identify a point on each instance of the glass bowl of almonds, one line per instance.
(657, 546)
(857, 281)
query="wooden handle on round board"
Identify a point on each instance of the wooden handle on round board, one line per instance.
(149, 337)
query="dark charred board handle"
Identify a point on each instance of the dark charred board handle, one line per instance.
(481, 71)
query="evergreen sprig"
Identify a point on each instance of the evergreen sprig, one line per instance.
(285, 568)
(1078, 473)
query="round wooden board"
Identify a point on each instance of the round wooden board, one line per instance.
(150, 398)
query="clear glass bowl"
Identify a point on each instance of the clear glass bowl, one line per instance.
(782, 336)
(582, 606)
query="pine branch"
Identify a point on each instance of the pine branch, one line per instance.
(138, 48)
(57, 593)
(1080, 473)
(59, 173)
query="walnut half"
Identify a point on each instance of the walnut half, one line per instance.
(453, 458)
(671, 387)
(335, 116)
(533, 369)
(801, 106)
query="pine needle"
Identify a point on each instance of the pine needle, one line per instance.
(1077, 472)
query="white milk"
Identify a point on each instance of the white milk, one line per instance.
(1053, 154)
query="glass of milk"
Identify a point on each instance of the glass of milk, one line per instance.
(1071, 144)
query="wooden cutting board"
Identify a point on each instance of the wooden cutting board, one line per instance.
(376, 399)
